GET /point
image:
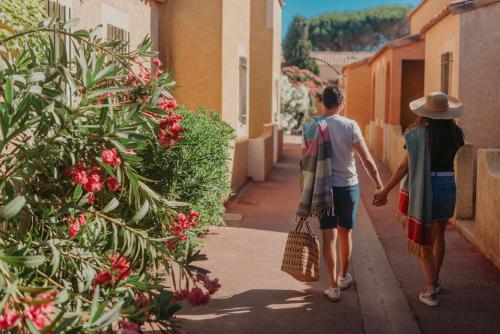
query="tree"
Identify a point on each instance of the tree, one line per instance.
(364, 30)
(297, 46)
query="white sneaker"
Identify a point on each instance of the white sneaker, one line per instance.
(429, 299)
(332, 294)
(439, 287)
(345, 283)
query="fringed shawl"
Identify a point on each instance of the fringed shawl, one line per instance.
(415, 196)
(316, 170)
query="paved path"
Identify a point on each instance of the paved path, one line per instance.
(471, 302)
(257, 297)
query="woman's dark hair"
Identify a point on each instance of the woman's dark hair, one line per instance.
(443, 133)
(332, 97)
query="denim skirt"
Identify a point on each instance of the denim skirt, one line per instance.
(444, 192)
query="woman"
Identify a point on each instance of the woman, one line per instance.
(428, 191)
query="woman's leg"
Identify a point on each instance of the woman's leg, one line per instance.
(330, 254)
(429, 269)
(439, 247)
(345, 249)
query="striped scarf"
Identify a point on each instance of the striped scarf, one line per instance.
(415, 194)
(316, 198)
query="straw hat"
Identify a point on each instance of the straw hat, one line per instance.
(437, 105)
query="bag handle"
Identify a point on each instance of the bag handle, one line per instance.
(300, 224)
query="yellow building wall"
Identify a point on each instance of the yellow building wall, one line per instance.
(265, 51)
(358, 91)
(235, 44)
(191, 47)
(441, 38)
(424, 13)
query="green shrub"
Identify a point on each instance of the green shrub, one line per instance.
(196, 170)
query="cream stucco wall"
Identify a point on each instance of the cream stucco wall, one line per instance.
(425, 12)
(487, 229)
(191, 47)
(139, 18)
(479, 79)
(265, 57)
(441, 38)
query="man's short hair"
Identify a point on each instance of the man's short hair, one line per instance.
(332, 97)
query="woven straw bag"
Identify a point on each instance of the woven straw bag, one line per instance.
(301, 258)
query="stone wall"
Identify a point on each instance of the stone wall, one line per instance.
(487, 229)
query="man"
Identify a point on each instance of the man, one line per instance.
(345, 139)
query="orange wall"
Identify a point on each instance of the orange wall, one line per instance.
(358, 92)
(425, 12)
(191, 46)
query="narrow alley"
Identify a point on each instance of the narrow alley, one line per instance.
(256, 297)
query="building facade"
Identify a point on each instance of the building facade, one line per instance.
(225, 55)
(453, 48)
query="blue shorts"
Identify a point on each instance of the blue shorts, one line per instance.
(444, 192)
(346, 204)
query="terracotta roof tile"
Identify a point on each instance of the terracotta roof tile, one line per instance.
(438, 17)
(340, 58)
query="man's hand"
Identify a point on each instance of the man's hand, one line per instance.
(380, 197)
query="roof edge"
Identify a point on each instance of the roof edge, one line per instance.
(396, 44)
(416, 9)
(356, 64)
(282, 3)
(461, 6)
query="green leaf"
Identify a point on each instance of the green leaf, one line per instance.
(77, 192)
(12, 208)
(9, 91)
(142, 212)
(25, 261)
(108, 318)
(31, 327)
(71, 23)
(36, 77)
(113, 204)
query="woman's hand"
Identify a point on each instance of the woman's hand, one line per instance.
(380, 197)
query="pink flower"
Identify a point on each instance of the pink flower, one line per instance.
(212, 286)
(8, 319)
(91, 198)
(197, 297)
(74, 227)
(128, 327)
(180, 295)
(157, 61)
(82, 220)
(102, 278)
(79, 177)
(110, 157)
(39, 313)
(94, 184)
(113, 184)
(120, 266)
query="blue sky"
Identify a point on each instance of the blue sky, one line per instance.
(310, 8)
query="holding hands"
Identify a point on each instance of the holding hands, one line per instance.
(380, 197)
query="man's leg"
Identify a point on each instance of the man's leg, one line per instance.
(345, 249)
(330, 254)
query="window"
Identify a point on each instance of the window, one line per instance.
(243, 91)
(446, 60)
(117, 34)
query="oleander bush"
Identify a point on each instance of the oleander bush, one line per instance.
(86, 243)
(196, 169)
(300, 89)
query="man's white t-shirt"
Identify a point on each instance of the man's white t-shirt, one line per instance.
(344, 133)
